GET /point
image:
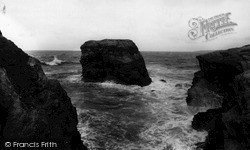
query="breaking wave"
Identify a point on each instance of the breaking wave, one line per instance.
(56, 61)
(154, 117)
(122, 117)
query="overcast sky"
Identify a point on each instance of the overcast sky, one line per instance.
(154, 25)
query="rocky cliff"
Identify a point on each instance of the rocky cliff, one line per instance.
(33, 107)
(223, 84)
(113, 60)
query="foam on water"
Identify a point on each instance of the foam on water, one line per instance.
(173, 118)
(76, 78)
(121, 117)
(167, 126)
(54, 62)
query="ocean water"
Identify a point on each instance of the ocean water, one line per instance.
(118, 117)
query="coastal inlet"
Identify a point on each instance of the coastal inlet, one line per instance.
(125, 117)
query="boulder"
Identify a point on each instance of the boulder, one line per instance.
(113, 60)
(33, 107)
(223, 83)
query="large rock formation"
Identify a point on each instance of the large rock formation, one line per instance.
(33, 107)
(223, 82)
(116, 60)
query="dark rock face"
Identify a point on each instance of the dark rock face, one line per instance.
(116, 60)
(224, 81)
(33, 108)
(218, 69)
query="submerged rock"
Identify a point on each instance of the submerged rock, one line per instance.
(162, 80)
(113, 60)
(33, 107)
(224, 82)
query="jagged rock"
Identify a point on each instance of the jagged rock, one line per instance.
(205, 120)
(115, 60)
(226, 74)
(218, 69)
(33, 107)
(203, 92)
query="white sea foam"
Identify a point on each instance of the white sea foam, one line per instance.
(173, 125)
(54, 62)
(74, 78)
(169, 122)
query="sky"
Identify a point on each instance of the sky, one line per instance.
(154, 25)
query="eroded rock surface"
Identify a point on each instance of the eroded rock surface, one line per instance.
(33, 107)
(113, 60)
(223, 83)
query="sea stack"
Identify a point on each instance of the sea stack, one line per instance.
(33, 107)
(223, 83)
(113, 60)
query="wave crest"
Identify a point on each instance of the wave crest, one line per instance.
(56, 61)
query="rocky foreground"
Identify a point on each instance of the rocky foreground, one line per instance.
(223, 83)
(113, 60)
(33, 107)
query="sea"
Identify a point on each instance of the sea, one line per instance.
(120, 117)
